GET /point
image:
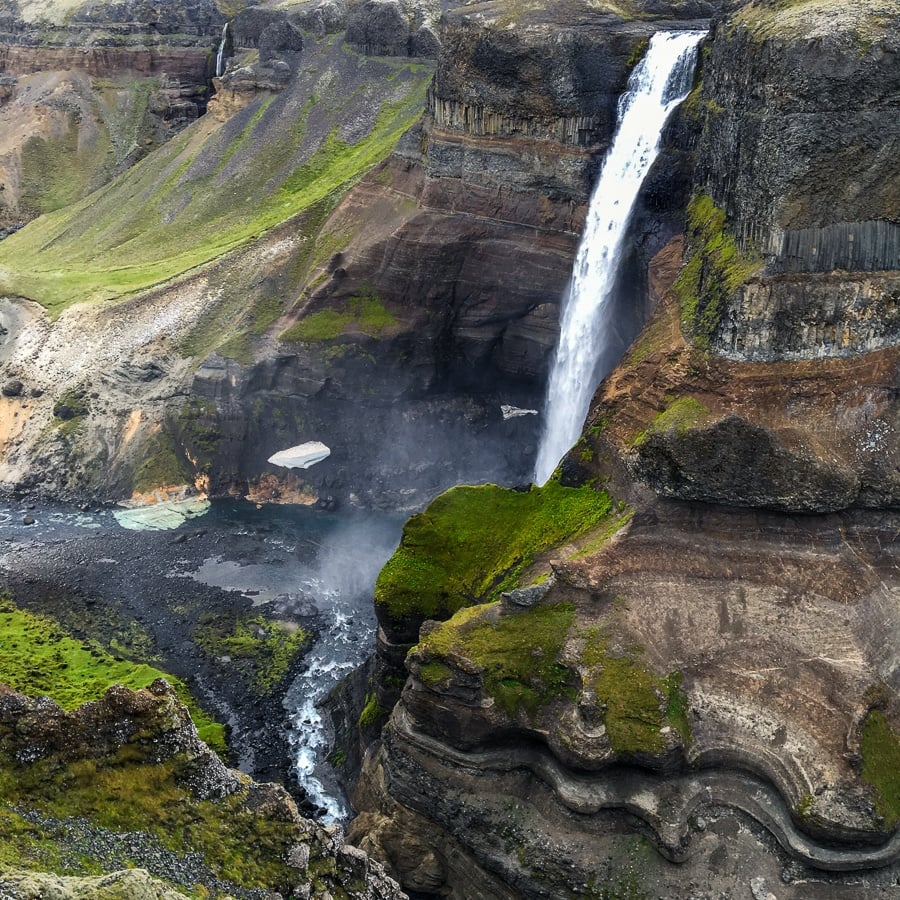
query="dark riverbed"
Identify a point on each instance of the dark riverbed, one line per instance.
(148, 592)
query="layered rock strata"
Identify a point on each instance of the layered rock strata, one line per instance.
(719, 678)
(803, 170)
(89, 89)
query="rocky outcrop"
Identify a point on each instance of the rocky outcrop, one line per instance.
(134, 884)
(147, 737)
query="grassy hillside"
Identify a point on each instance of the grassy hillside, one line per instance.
(217, 186)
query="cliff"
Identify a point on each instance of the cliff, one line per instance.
(697, 693)
(799, 167)
(338, 250)
(90, 88)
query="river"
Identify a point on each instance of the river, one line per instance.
(296, 564)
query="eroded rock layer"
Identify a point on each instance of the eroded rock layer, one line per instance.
(695, 696)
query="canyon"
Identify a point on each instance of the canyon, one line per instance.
(672, 669)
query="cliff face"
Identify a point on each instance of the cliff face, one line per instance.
(314, 301)
(802, 168)
(700, 688)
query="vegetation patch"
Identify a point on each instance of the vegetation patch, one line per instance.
(881, 765)
(682, 414)
(637, 703)
(197, 197)
(864, 20)
(198, 432)
(40, 658)
(120, 794)
(471, 543)
(364, 314)
(372, 711)
(519, 652)
(714, 270)
(265, 650)
(162, 467)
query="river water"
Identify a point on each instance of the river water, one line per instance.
(304, 564)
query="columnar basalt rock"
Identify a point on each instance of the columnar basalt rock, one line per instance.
(799, 166)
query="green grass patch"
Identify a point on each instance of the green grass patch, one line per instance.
(163, 466)
(881, 765)
(372, 711)
(714, 270)
(364, 314)
(265, 650)
(519, 652)
(120, 793)
(682, 414)
(638, 703)
(473, 542)
(40, 658)
(57, 172)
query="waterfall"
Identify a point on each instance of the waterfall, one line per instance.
(220, 56)
(587, 348)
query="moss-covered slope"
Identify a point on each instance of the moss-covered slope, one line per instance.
(218, 185)
(124, 782)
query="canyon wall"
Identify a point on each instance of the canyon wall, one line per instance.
(695, 695)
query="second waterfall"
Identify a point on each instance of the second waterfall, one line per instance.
(583, 356)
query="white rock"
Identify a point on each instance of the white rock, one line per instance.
(161, 516)
(302, 456)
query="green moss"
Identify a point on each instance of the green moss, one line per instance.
(266, 650)
(804, 807)
(519, 652)
(39, 658)
(682, 414)
(70, 405)
(338, 757)
(364, 314)
(122, 793)
(162, 467)
(880, 748)
(714, 270)
(196, 427)
(637, 54)
(865, 21)
(678, 707)
(637, 703)
(372, 711)
(472, 543)
(57, 172)
(434, 674)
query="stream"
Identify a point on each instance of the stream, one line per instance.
(305, 565)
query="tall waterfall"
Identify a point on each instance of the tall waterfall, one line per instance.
(220, 56)
(586, 349)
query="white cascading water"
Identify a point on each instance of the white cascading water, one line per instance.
(660, 81)
(220, 56)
